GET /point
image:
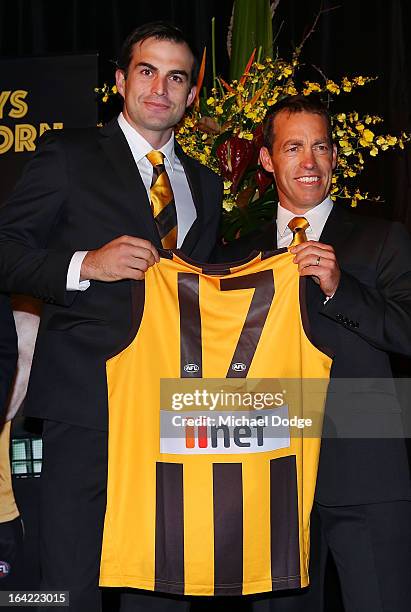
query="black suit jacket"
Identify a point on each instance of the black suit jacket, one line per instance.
(81, 190)
(8, 352)
(368, 317)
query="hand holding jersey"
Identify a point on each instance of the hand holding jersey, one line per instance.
(319, 261)
(126, 257)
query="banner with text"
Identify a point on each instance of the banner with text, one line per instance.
(39, 94)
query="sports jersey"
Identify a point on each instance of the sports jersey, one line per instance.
(216, 511)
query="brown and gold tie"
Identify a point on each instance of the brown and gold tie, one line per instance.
(298, 225)
(162, 201)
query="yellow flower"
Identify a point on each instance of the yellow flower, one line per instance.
(332, 87)
(359, 126)
(391, 140)
(273, 98)
(368, 135)
(228, 204)
(246, 135)
(210, 101)
(219, 110)
(114, 89)
(346, 84)
(374, 151)
(105, 98)
(341, 117)
(291, 90)
(310, 87)
(359, 80)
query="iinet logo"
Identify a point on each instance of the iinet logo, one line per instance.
(222, 433)
(223, 436)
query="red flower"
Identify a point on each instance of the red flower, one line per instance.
(234, 156)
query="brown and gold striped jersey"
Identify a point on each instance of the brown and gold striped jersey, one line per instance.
(221, 508)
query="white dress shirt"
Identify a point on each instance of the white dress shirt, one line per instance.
(186, 211)
(316, 217)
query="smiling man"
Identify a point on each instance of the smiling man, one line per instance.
(358, 296)
(92, 207)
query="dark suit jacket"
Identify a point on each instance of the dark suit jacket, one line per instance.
(8, 352)
(81, 190)
(368, 317)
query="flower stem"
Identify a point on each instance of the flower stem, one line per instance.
(213, 52)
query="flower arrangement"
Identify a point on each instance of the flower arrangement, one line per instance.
(224, 132)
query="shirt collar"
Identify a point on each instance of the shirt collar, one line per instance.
(139, 145)
(316, 217)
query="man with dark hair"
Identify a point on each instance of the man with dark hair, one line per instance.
(358, 294)
(160, 31)
(93, 206)
(294, 104)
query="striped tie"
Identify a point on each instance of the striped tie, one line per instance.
(162, 201)
(298, 225)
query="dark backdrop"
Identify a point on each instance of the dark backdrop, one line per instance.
(359, 36)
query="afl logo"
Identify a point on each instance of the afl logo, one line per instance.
(239, 367)
(4, 569)
(191, 367)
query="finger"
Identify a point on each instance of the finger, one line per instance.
(317, 261)
(315, 257)
(141, 243)
(311, 244)
(312, 271)
(128, 273)
(138, 263)
(142, 253)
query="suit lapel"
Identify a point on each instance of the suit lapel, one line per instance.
(337, 227)
(268, 240)
(115, 146)
(191, 171)
(335, 232)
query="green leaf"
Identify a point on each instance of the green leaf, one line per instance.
(252, 28)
